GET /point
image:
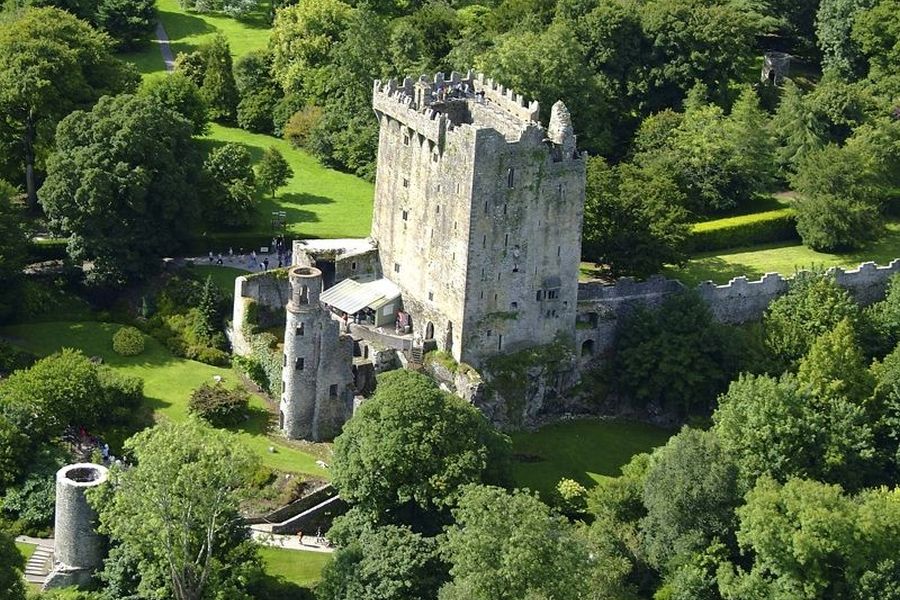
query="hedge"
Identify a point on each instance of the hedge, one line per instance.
(746, 230)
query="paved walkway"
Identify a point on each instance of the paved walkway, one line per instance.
(162, 38)
(46, 543)
(244, 263)
(288, 542)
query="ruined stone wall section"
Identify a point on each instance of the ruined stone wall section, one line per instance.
(269, 290)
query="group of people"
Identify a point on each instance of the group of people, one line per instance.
(84, 444)
(254, 261)
(445, 91)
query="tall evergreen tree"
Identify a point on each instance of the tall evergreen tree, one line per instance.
(219, 90)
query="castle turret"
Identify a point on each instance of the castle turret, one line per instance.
(317, 396)
(78, 549)
(560, 130)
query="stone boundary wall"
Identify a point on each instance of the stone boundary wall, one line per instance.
(270, 290)
(738, 301)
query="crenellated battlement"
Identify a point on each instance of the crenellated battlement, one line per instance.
(427, 105)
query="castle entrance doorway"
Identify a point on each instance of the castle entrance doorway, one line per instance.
(429, 331)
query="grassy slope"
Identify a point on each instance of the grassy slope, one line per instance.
(584, 451)
(319, 202)
(26, 550)
(757, 261)
(168, 382)
(296, 566)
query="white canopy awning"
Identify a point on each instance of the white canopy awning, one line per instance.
(351, 297)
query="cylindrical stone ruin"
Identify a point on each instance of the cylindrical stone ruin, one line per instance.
(79, 549)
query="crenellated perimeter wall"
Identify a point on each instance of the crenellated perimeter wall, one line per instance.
(739, 301)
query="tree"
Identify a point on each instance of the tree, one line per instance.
(537, 554)
(674, 357)
(877, 33)
(127, 21)
(177, 510)
(208, 308)
(885, 408)
(122, 184)
(219, 90)
(634, 220)
(835, 366)
(808, 541)
(12, 566)
(690, 492)
(813, 304)
(778, 428)
(834, 23)
(51, 64)
(384, 563)
(258, 91)
(274, 170)
(407, 451)
(229, 171)
(181, 95)
(797, 128)
(13, 244)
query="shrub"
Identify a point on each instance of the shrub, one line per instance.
(301, 124)
(219, 405)
(128, 341)
(745, 230)
(122, 395)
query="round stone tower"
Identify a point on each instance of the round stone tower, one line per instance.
(79, 549)
(302, 334)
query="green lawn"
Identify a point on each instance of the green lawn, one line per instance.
(188, 30)
(222, 277)
(319, 202)
(168, 382)
(295, 566)
(26, 550)
(757, 261)
(583, 450)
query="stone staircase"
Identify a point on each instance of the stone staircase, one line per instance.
(39, 565)
(416, 358)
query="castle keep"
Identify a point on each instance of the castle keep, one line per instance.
(474, 250)
(478, 212)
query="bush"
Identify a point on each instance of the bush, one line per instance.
(128, 341)
(745, 230)
(32, 502)
(301, 124)
(13, 359)
(122, 395)
(218, 405)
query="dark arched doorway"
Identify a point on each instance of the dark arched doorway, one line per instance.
(429, 331)
(587, 348)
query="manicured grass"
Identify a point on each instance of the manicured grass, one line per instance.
(742, 219)
(222, 277)
(168, 382)
(757, 261)
(296, 566)
(188, 30)
(148, 59)
(319, 202)
(584, 450)
(26, 550)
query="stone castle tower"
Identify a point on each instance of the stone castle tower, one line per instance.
(317, 396)
(478, 213)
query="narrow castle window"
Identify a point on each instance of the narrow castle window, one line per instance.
(495, 297)
(437, 209)
(515, 267)
(455, 225)
(504, 208)
(510, 178)
(405, 182)
(482, 273)
(304, 295)
(482, 295)
(484, 243)
(539, 296)
(561, 192)
(552, 294)
(396, 267)
(299, 364)
(284, 360)
(457, 188)
(506, 240)
(406, 139)
(500, 341)
(332, 390)
(431, 295)
(405, 215)
(558, 250)
(513, 306)
(489, 333)
(299, 330)
(353, 266)
(485, 207)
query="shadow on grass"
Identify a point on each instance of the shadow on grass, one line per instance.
(258, 422)
(278, 588)
(715, 269)
(180, 26)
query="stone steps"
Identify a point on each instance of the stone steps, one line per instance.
(38, 566)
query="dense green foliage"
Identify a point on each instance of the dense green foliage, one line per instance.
(51, 63)
(122, 185)
(274, 171)
(406, 452)
(191, 547)
(229, 198)
(12, 253)
(536, 554)
(128, 341)
(180, 95)
(675, 357)
(218, 405)
(11, 567)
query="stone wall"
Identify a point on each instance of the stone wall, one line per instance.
(600, 306)
(270, 292)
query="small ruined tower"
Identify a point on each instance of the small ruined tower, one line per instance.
(317, 395)
(79, 550)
